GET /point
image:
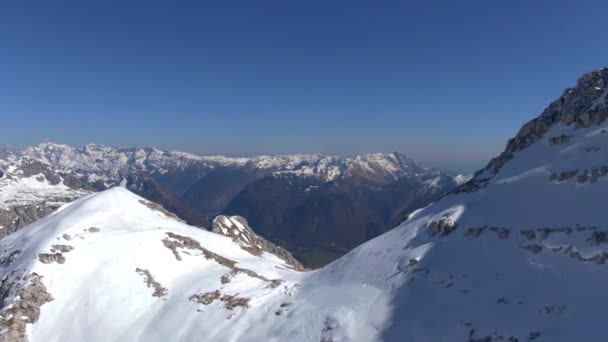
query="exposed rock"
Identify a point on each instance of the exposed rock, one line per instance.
(534, 248)
(48, 258)
(8, 257)
(230, 301)
(598, 237)
(473, 233)
(233, 301)
(94, 230)
(175, 242)
(206, 298)
(583, 178)
(585, 105)
(21, 298)
(16, 217)
(237, 228)
(528, 234)
(501, 233)
(159, 208)
(226, 278)
(562, 139)
(159, 291)
(62, 248)
(443, 226)
(563, 175)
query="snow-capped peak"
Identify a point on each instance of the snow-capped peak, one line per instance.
(109, 165)
(118, 260)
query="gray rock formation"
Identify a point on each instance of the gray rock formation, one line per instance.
(584, 105)
(238, 229)
(16, 217)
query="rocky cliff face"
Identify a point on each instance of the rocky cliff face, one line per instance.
(237, 228)
(584, 105)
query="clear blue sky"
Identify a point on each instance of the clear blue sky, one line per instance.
(446, 82)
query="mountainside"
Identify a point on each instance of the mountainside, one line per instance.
(518, 253)
(328, 195)
(30, 190)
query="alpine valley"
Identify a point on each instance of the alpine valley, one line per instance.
(316, 206)
(517, 253)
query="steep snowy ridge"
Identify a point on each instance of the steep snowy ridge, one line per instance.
(516, 254)
(117, 269)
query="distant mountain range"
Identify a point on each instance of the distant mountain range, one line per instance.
(317, 206)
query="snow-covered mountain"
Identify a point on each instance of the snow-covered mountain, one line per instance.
(518, 253)
(29, 190)
(108, 166)
(358, 194)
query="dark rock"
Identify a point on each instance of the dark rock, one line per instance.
(159, 291)
(562, 139)
(49, 258)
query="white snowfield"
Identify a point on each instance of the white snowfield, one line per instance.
(521, 259)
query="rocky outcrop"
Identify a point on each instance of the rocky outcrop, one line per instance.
(158, 290)
(585, 105)
(442, 226)
(237, 228)
(584, 176)
(16, 217)
(49, 258)
(21, 297)
(177, 243)
(562, 139)
(230, 301)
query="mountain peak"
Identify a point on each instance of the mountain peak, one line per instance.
(583, 106)
(115, 245)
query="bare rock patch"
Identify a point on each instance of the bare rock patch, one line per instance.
(49, 258)
(159, 291)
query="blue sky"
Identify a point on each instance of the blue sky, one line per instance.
(446, 82)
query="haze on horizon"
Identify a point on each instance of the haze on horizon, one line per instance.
(445, 83)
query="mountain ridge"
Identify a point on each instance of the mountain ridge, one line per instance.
(198, 188)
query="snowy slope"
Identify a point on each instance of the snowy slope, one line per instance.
(518, 253)
(30, 190)
(119, 270)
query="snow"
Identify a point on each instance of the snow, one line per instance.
(408, 284)
(109, 164)
(522, 258)
(461, 179)
(98, 282)
(30, 190)
(478, 280)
